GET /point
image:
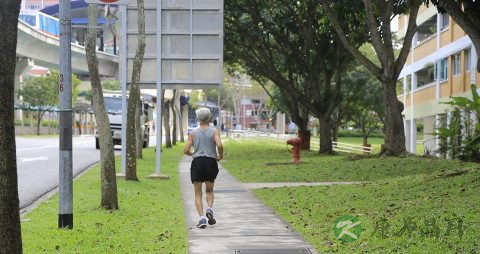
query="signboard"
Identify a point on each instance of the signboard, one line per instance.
(184, 43)
(119, 2)
(184, 50)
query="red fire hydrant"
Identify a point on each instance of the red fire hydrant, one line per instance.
(295, 142)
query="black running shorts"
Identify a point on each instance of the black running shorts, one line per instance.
(204, 169)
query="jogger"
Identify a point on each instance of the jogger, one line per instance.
(208, 149)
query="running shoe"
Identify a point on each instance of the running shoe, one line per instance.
(211, 220)
(202, 223)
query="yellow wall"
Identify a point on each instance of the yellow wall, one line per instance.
(444, 89)
(457, 32)
(401, 22)
(457, 84)
(424, 95)
(425, 49)
(445, 37)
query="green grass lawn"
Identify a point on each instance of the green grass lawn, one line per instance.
(150, 219)
(247, 162)
(414, 189)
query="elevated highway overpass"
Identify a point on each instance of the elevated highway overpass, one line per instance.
(43, 49)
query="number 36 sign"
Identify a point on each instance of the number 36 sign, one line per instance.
(120, 2)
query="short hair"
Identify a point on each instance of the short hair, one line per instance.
(203, 115)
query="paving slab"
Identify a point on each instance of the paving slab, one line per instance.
(243, 221)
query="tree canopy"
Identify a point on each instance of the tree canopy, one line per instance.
(294, 46)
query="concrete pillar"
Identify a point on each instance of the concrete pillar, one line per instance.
(407, 135)
(413, 136)
(473, 53)
(22, 65)
(449, 115)
(428, 137)
(280, 123)
(438, 124)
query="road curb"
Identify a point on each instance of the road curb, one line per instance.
(42, 198)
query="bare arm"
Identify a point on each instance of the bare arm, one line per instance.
(188, 145)
(218, 142)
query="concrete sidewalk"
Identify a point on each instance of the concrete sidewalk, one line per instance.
(243, 222)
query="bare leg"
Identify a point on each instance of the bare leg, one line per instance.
(209, 190)
(198, 197)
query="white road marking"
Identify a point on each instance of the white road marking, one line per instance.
(50, 146)
(42, 158)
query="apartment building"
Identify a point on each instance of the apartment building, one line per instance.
(441, 64)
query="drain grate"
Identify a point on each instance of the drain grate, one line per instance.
(273, 251)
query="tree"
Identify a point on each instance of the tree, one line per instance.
(294, 47)
(10, 232)
(179, 113)
(378, 16)
(112, 85)
(369, 109)
(174, 118)
(466, 14)
(134, 97)
(109, 195)
(166, 122)
(41, 94)
(293, 109)
(139, 130)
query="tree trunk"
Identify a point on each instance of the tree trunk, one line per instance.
(134, 95)
(174, 118)
(30, 119)
(304, 135)
(49, 123)
(140, 131)
(335, 133)
(325, 135)
(180, 122)
(166, 124)
(365, 138)
(394, 131)
(10, 232)
(39, 122)
(109, 195)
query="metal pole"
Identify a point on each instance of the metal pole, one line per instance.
(158, 122)
(65, 207)
(123, 82)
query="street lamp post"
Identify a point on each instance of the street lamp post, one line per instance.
(65, 207)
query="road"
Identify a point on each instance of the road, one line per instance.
(37, 164)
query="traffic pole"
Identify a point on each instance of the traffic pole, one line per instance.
(65, 207)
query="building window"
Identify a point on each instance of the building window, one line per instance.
(468, 59)
(427, 29)
(426, 75)
(456, 64)
(444, 19)
(443, 69)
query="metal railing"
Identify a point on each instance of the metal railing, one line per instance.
(314, 145)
